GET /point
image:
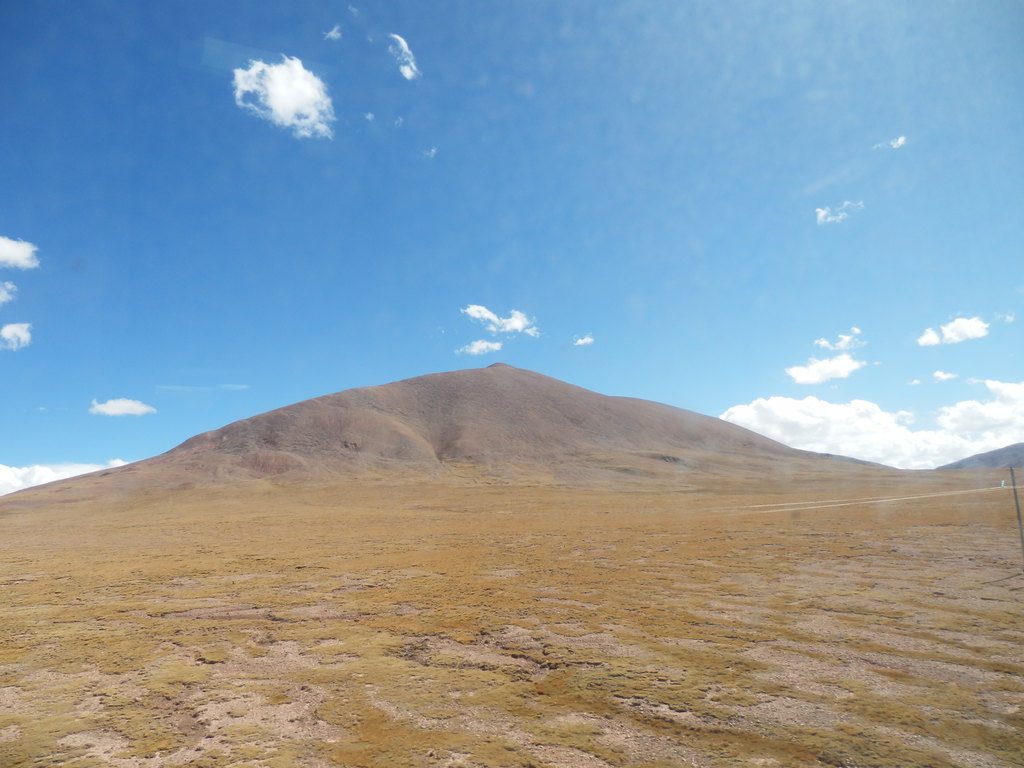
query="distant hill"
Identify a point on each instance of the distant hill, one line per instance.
(1010, 456)
(497, 423)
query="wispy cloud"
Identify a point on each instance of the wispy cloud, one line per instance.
(7, 292)
(961, 329)
(121, 406)
(582, 341)
(286, 94)
(828, 216)
(845, 341)
(816, 371)
(15, 336)
(403, 55)
(17, 254)
(334, 33)
(479, 347)
(430, 153)
(943, 376)
(516, 322)
(15, 478)
(896, 143)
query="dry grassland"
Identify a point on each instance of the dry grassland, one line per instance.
(429, 625)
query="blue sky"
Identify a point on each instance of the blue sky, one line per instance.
(757, 210)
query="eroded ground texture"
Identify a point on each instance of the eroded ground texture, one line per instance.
(431, 625)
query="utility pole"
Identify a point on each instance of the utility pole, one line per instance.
(1016, 501)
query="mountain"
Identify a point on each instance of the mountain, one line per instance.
(489, 424)
(1010, 456)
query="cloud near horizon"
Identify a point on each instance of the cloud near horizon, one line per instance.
(17, 254)
(286, 94)
(479, 347)
(121, 406)
(961, 329)
(403, 55)
(862, 430)
(827, 216)
(816, 371)
(16, 478)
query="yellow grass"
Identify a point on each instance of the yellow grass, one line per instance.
(424, 624)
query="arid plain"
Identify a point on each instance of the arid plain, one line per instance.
(796, 614)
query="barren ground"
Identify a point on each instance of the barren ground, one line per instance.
(433, 625)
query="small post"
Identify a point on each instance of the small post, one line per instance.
(1016, 501)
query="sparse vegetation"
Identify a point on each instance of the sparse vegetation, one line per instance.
(412, 624)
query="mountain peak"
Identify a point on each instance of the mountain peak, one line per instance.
(467, 425)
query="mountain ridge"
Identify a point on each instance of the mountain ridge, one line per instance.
(500, 422)
(1000, 458)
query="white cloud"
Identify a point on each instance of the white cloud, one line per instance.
(964, 328)
(961, 329)
(18, 254)
(582, 341)
(406, 61)
(827, 216)
(943, 376)
(999, 421)
(334, 33)
(817, 371)
(121, 406)
(516, 322)
(479, 347)
(845, 341)
(432, 152)
(15, 336)
(1008, 318)
(896, 143)
(861, 429)
(15, 478)
(7, 291)
(286, 94)
(913, 382)
(370, 117)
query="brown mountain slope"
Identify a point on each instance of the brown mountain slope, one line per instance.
(1009, 456)
(503, 421)
(497, 423)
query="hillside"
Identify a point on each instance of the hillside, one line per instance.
(498, 423)
(1010, 456)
